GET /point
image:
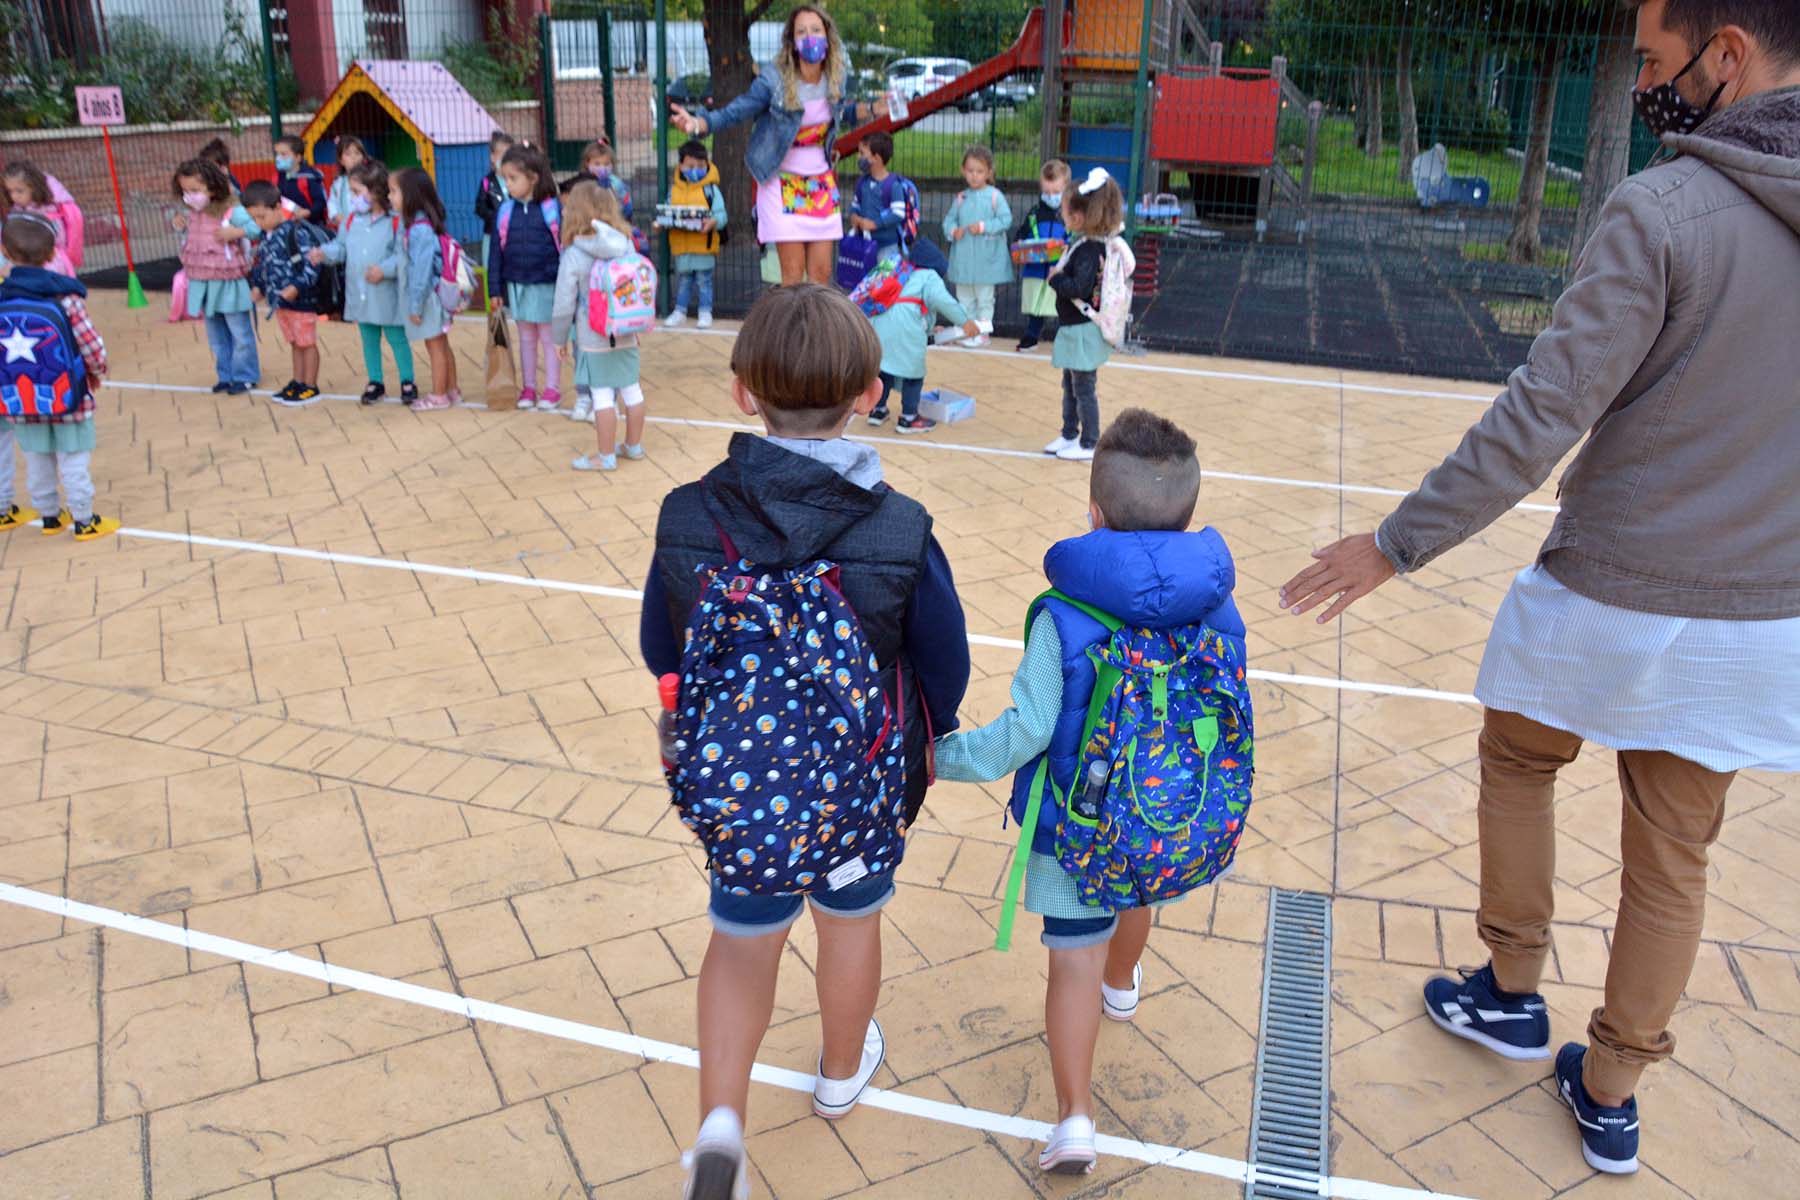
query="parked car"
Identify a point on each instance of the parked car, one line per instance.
(913, 77)
(692, 91)
(1006, 94)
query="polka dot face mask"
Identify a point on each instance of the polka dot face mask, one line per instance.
(1665, 110)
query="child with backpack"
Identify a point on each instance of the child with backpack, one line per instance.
(490, 194)
(977, 224)
(1092, 282)
(47, 392)
(904, 299)
(301, 184)
(370, 246)
(798, 526)
(215, 256)
(1043, 223)
(599, 269)
(287, 276)
(522, 267)
(351, 154)
(413, 195)
(886, 207)
(696, 252)
(28, 189)
(1130, 733)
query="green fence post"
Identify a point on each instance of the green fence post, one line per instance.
(664, 289)
(268, 32)
(547, 86)
(1140, 93)
(606, 79)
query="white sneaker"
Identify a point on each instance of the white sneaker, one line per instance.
(584, 408)
(976, 342)
(1059, 445)
(1076, 452)
(1070, 1150)
(833, 1098)
(705, 321)
(1121, 1004)
(674, 319)
(716, 1166)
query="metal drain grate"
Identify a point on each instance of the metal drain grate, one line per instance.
(1290, 1123)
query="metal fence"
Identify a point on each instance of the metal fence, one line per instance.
(1396, 184)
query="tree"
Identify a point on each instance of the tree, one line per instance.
(1407, 105)
(1524, 244)
(1607, 159)
(727, 27)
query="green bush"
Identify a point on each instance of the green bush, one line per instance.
(498, 68)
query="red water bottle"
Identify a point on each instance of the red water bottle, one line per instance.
(668, 688)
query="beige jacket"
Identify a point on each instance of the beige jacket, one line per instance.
(1676, 350)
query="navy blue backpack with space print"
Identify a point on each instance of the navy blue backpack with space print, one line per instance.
(788, 755)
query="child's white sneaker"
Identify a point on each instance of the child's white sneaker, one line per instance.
(705, 321)
(976, 342)
(833, 1098)
(674, 319)
(716, 1166)
(1059, 445)
(1070, 1150)
(1121, 1004)
(584, 407)
(1076, 453)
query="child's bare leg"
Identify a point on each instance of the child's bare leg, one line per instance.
(309, 366)
(449, 360)
(606, 422)
(850, 959)
(299, 363)
(1072, 1020)
(737, 998)
(1127, 947)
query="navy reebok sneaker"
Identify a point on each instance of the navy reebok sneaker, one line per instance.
(1609, 1136)
(1516, 1027)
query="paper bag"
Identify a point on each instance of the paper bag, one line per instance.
(502, 372)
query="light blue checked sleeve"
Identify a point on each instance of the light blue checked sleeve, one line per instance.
(1022, 732)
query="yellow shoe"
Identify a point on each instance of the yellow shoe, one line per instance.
(14, 516)
(58, 523)
(95, 526)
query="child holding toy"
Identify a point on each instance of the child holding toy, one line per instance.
(976, 225)
(1043, 222)
(696, 252)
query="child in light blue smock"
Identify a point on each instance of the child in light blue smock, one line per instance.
(904, 328)
(370, 245)
(413, 195)
(977, 225)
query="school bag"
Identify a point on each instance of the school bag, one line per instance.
(552, 210)
(456, 280)
(788, 761)
(909, 205)
(41, 371)
(1163, 779)
(1114, 312)
(880, 288)
(621, 298)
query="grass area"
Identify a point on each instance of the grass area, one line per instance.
(1525, 318)
(922, 154)
(1344, 170)
(1495, 252)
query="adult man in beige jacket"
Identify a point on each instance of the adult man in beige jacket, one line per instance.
(1662, 617)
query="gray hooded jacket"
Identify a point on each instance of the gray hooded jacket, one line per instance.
(1676, 349)
(569, 310)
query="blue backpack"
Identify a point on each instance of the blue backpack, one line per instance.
(789, 762)
(1164, 776)
(41, 371)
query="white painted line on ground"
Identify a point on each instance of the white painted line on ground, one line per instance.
(912, 443)
(618, 593)
(653, 1050)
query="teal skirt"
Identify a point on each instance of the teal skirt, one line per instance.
(1079, 348)
(218, 297)
(607, 368)
(531, 302)
(56, 439)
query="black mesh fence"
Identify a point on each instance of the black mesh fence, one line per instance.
(1397, 184)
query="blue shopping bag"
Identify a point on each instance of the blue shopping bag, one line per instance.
(857, 254)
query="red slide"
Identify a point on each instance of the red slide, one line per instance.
(1025, 54)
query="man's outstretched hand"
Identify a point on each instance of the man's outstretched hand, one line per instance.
(1347, 570)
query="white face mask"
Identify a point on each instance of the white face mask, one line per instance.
(1053, 199)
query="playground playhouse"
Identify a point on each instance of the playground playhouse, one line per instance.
(411, 114)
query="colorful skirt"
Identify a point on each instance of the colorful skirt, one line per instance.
(798, 208)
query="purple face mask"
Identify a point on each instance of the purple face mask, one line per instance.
(813, 48)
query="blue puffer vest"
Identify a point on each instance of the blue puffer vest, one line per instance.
(1152, 580)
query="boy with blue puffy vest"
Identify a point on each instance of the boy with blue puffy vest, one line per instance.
(1137, 575)
(802, 504)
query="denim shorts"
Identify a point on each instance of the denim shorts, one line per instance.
(753, 916)
(1073, 933)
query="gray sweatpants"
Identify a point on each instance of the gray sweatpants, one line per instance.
(41, 474)
(6, 464)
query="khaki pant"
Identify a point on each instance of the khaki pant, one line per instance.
(1672, 812)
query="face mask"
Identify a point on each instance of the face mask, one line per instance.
(864, 165)
(283, 163)
(1053, 199)
(693, 174)
(196, 200)
(602, 174)
(813, 48)
(1665, 110)
(359, 204)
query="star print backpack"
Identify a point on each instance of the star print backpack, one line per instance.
(1163, 781)
(789, 759)
(41, 372)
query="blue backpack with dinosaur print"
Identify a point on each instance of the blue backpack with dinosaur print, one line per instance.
(789, 762)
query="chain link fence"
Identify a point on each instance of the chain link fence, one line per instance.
(1391, 184)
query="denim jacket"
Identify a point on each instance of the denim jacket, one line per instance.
(775, 128)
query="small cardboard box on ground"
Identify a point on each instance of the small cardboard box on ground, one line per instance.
(945, 406)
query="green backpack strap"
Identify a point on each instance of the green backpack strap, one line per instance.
(1106, 678)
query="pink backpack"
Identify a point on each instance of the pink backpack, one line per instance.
(621, 298)
(205, 257)
(552, 211)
